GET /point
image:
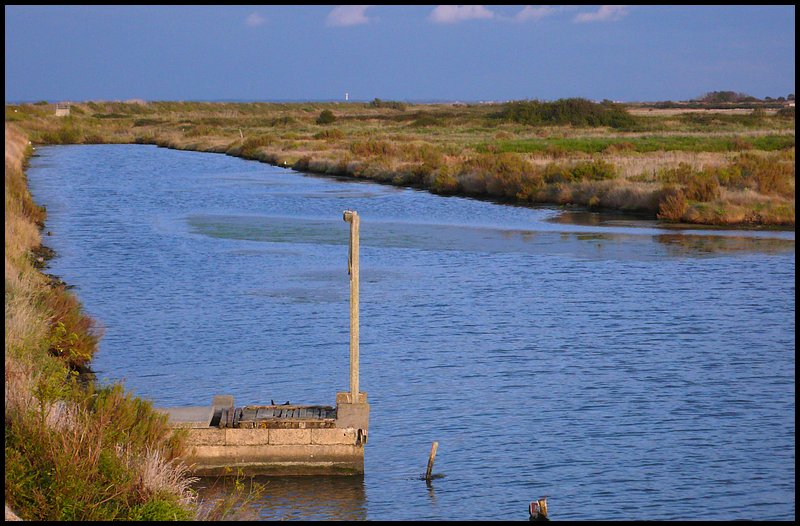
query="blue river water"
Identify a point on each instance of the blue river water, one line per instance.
(624, 369)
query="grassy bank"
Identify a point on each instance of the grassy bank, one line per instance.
(73, 450)
(707, 167)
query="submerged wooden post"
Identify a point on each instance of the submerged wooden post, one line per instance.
(351, 216)
(431, 458)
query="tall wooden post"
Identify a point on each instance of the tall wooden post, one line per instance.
(351, 217)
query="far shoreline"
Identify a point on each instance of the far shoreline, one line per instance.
(569, 214)
(711, 169)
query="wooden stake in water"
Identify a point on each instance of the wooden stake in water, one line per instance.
(351, 217)
(432, 456)
(537, 510)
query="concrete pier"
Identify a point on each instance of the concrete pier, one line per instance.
(274, 440)
(223, 439)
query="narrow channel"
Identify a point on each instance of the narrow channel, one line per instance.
(625, 370)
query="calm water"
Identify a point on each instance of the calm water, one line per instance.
(624, 370)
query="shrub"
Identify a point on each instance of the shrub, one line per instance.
(502, 175)
(93, 138)
(330, 135)
(392, 104)
(372, 147)
(697, 185)
(444, 181)
(198, 130)
(66, 134)
(74, 335)
(681, 174)
(594, 171)
(252, 144)
(703, 186)
(13, 114)
(556, 173)
(426, 120)
(574, 111)
(765, 174)
(326, 117)
(283, 121)
(672, 205)
(431, 156)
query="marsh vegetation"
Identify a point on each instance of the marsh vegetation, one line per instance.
(705, 166)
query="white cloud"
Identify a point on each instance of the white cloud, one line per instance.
(450, 14)
(606, 13)
(348, 15)
(530, 12)
(255, 20)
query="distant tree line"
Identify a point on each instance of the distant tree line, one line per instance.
(726, 96)
(715, 97)
(727, 99)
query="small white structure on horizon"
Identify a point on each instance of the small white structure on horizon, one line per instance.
(62, 109)
(346, 96)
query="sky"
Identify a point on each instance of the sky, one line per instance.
(396, 52)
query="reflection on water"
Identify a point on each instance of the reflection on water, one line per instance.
(588, 218)
(634, 220)
(691, 245)
(292, 498)
(468, 238)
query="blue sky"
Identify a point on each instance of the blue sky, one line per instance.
(396, 52)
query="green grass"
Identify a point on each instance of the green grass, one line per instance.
(687, 143)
